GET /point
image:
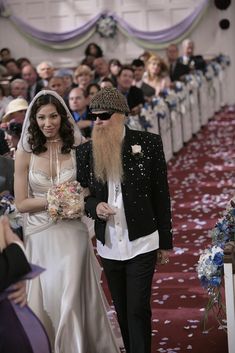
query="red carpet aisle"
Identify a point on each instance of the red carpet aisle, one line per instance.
(202, 179)
(202, 182)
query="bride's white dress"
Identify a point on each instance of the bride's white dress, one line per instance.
(67, 297)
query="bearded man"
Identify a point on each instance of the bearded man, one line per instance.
(125, 171)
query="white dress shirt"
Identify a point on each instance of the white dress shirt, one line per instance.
(117, 244)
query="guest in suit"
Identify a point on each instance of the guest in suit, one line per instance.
(35, 85)
(45, 72)
(139, 69)
(176, 68)
(125, 171)
(133, 94)
(194, 62)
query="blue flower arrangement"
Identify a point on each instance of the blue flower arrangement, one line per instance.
(210, 265)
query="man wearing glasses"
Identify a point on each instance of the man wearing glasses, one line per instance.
(125, 171)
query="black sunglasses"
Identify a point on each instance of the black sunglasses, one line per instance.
(101, 116)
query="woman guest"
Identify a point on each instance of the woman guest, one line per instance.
(157, 74)
(67, 297)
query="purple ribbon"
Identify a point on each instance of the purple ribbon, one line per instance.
(160, 36)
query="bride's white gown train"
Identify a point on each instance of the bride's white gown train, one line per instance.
(67, 297)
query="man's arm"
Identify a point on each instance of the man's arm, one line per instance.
(13, 262)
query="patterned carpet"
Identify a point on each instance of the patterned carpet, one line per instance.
(201, 178)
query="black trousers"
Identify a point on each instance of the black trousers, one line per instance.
(130, 283)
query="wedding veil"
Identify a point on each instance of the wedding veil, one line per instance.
(23, 142)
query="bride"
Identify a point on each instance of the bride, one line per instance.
(67, 297)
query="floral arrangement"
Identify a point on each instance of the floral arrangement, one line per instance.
(170, 97)
(211, 261)
(160, 108)
(65, 201)
(106, 26)
(8, 208)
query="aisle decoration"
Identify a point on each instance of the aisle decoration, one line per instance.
(8, 208)
(211, 261)
(106, 23)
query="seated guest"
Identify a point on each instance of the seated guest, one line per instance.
(133, 94)
(91, 90)
(6, 174)
(4, 149)
(101, 67)
(194, 62)
(106, 82)
(12, 69)
(139, 69)
(21, 62)
(57, 84)
(176, 68)
(12, 136)
(4, 101)
(157, 74)
(92, 51)
(83, 76)
(78, 105)
(15, 111)
(18, 88)
(114, 69)
(5, 54)
(67, 76)
(45, 72)
(29, 74)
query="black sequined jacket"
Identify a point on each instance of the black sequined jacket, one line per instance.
(145, 189)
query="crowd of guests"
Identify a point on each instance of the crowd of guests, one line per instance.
(139, 81)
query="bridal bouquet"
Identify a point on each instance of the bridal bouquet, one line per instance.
(65, 201)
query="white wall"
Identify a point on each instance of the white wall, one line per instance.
(65, 15)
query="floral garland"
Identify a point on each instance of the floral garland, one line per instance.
(210, 265)
(106, 26)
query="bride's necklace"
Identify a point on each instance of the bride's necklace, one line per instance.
(54, 150)
(55, 140)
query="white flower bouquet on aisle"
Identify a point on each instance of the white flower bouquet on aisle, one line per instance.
(66, 201)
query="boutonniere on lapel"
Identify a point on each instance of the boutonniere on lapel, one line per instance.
(136, 151)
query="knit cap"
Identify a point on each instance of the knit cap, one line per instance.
(109, 99)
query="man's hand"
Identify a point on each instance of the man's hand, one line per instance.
(163, 257)
(19, 296)
(104, 211)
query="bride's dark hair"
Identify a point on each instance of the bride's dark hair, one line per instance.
(36, 138)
